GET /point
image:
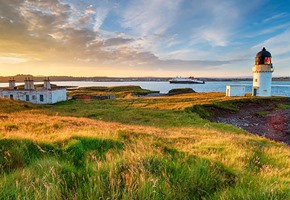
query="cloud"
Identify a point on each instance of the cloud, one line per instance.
(221, 19)
(275, 17)
(197, 65)
(150, 17)
(84, 20)
(62, 33)
(267, 30)
(117, 41)
(12, 59)
(125, 56)
(186, 53)
(90, 10)
(156, 34)
(278, 45)
(55, 34)
(214, 36)
(100, 16)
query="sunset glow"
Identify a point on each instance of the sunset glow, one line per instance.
(142, 38)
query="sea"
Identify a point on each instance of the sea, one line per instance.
(279, 88)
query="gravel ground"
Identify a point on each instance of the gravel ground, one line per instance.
(260, 119)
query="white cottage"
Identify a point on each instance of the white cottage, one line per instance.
(37, 94)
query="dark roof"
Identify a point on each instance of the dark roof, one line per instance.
(264, 53)
(263, 57)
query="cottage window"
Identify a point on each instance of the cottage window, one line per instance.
(41, 97)
(11, 96)
(27, 97)
(33, 97)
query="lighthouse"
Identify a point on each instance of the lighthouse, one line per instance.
(262, 74)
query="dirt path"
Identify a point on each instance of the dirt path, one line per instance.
(261, 118)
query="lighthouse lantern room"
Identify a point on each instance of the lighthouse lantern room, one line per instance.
(262, 74)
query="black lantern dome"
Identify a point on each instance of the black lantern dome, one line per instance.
(263, 57)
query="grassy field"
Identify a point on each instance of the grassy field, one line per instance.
(135, 148)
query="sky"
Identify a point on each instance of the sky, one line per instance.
(129, 38)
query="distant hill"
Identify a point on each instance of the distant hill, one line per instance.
(21, 77)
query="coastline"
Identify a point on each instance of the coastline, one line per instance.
(20, 78)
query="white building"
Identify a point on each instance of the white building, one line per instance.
(235, 90)
(262, 74)
(37, 94)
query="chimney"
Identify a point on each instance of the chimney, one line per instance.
(26, 84)
(46, 84)
(31, 82)
(12, 84)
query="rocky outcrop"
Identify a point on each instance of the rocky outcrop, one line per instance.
(265, 118)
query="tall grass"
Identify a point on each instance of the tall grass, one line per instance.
(123, 150)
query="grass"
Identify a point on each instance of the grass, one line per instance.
(262, 113)
(135, 148)
(284, 106)
(123, 112)
(175, 91)
(233, 105)
(119, 91)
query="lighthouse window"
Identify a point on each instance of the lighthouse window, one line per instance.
(267, 60)
(256, 80)
(257, 60)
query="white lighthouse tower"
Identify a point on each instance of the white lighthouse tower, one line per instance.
(262, 74)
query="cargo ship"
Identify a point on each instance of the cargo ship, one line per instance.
(189, 80)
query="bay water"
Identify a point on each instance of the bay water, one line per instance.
(279, 88)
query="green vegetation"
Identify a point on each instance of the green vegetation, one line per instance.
(180, 91)
(135, 148)
(8, 106)
(123, 111)
(207, 110)
(284, 106)
(119, 91)
(262, 113)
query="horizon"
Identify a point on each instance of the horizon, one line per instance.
(206, 77)
(156, 38)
